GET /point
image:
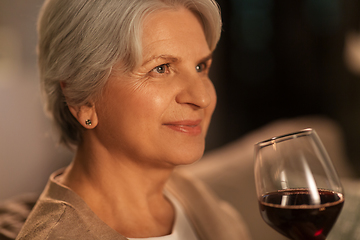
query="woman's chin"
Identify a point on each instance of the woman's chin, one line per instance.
(188, 158)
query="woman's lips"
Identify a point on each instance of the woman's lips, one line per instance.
(187, 126)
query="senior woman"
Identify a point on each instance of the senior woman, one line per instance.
(126, 83)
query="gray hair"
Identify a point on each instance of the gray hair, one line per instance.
(80, 42)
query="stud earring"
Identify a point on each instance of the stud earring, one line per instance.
(88, 122)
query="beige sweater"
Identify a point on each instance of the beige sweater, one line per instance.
(61, 214)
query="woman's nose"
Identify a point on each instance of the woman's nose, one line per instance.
(197, 90)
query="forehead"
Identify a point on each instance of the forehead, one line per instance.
(173, 29)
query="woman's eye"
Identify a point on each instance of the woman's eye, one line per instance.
(164, 68)
(201, 67)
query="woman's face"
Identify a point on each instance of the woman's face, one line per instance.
(159, 114)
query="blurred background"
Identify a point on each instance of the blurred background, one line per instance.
(276, 59)
(28, 151)
(283, 59)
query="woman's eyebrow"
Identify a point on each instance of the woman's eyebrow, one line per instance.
(207, 58)
(172, 59)
(168, 58)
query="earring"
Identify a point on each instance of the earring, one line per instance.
(88, 122)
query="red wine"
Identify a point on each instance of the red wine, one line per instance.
(290, 213)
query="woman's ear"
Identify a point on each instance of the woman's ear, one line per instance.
(86, 115)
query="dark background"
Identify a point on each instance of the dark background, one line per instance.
(283, 59)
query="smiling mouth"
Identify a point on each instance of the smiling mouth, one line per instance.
(188, 127)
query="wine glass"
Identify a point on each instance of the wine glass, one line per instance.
(299, 192)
